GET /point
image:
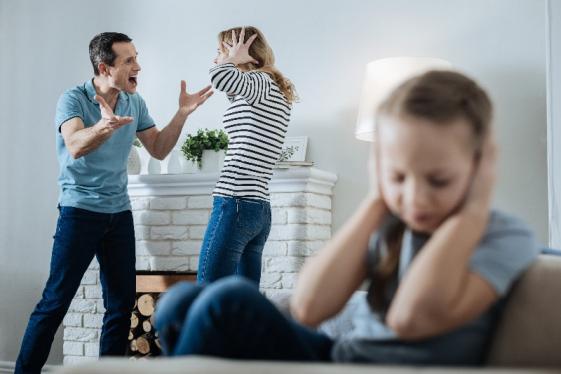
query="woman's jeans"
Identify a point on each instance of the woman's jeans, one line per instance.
(81, 235)
(230, 318)
(234, 239)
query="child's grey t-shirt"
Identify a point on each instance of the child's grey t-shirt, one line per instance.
(507, 248)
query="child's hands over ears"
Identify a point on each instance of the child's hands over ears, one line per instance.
(479, 197)
(374, 188)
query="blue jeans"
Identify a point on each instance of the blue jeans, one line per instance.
(230, 318)
(81, 235)
(234, 239)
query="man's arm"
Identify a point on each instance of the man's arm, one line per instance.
(159, 143)
(80, 140)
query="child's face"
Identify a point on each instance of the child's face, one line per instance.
(425, 169)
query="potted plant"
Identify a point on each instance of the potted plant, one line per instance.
(206, 148)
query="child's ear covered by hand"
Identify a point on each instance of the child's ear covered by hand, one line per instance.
(480, 195)
(374, 190)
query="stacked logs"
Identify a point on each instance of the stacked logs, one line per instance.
(143, 338)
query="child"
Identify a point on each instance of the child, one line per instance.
(256, 122)
(438, 259)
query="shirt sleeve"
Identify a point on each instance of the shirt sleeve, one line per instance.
(254, 87)
(145, 121)
(68, 107)
(505, 251)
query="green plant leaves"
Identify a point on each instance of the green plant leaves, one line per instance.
(194, 145)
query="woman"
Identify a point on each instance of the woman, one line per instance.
(256, 122)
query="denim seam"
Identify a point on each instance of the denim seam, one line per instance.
(212, 238)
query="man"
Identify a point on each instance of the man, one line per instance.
(96, 126)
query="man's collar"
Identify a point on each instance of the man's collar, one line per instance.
(90, 92)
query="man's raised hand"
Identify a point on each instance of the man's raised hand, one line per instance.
(112, 121)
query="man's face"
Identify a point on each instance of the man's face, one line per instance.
(124, 72)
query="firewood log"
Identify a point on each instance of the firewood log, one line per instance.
(143, 345)
(146, 305)
(146, 326)
(134, 320)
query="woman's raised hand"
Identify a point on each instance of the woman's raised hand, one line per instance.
(238, 52)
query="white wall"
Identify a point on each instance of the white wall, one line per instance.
(554, 121)
(322, 46)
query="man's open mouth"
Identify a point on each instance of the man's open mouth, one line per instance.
(133, 80)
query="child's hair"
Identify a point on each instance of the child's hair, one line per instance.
(440, 97)
(262, 52)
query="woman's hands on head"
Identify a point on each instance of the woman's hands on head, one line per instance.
(238, 52)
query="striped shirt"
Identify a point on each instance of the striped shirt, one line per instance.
(256, 122)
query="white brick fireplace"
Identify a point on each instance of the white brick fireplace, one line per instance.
(171, 212)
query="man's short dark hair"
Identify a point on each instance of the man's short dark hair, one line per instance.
(101, 48)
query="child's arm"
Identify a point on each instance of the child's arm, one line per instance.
(328, 279)
(439, 292)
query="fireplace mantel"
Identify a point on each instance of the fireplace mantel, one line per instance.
(297, 179)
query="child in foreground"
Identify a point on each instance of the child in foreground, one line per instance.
(439, 260)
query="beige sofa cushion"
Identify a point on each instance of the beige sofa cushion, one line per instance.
(529, 332)
(206, 365)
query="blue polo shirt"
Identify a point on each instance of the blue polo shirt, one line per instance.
(98, 180)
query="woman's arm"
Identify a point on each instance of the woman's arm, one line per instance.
(253, 87)
(439, 292)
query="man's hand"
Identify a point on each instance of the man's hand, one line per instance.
(111, 121)
(188, 103)
(238, 52)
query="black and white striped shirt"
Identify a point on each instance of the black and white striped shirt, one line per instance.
(256, 124)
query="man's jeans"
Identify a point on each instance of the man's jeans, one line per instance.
(234, 239)
(230, 318)
(81, 235)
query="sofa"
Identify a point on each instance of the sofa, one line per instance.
(527, 340)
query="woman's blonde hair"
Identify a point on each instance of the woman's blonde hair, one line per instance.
(440, 97)
(262, 52)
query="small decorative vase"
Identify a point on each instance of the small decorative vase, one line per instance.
(212, 161)
(174, 162)
(154, 166)
(133, 162)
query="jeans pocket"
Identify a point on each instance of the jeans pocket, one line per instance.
(250, 216)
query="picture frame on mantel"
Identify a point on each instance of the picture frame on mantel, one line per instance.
(294, 152)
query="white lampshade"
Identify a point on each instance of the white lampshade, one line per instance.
(382, 77)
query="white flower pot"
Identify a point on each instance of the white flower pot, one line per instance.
(188, 166)
(212, 161)
(133, 162)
